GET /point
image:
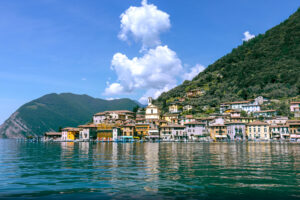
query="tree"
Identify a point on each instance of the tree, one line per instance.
(244, 113)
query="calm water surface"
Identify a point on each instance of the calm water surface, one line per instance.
(149, 170)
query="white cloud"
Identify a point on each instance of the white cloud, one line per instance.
(248, 36)
(194, 71)
(83, 79)
(114, 88)
(144, 24)
(156, 71)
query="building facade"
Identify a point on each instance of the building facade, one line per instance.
(258, 130)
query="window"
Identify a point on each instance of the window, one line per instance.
(151, 111)
(265, 130)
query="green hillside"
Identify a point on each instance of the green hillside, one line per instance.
(268, 65)
(58, 110)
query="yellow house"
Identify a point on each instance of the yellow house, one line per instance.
(104, 132)
(70, 133)
(218, 132)
(172, 118)
(142, 130)
(128, 130)
(242, 119)
(258, 130)
(174, 108)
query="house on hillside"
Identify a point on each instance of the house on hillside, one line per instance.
(265, 113)
(195, 93)
(174, 108)
(171, 118)
(187, 108)
(295, 108)
(112, 116)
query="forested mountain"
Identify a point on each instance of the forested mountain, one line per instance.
(52, 111)
(267, 65)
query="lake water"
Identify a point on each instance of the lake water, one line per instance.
(149, 170)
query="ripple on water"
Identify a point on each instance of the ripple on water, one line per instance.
(149, 170)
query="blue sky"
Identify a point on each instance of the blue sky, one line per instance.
(59, 46)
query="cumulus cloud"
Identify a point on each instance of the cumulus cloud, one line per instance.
(194, 71)
(156, 71)
(248, 36)
(158, 68)
(144, 24)
(114, 88)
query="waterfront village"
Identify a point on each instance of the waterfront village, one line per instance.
(148, 124)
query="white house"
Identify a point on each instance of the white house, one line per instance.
(152, 111)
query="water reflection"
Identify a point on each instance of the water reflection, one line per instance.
(147, 170)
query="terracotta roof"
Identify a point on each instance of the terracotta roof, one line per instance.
(172, 125)
(189, 116)
(241, 117)
(257, 123)
(264, 111)
(295, 102)
(100, 113)
(140, 119)
(53, 133)
(88, 126)
(279, 125)
(292, 124)
(235, 123)
(70, 129)
(239, 102)
(293, 121)
(194, 123)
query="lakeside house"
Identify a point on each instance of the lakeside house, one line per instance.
(280, 132)
(294, 129)
(173, 132)
(146, 124)
(196, 130)
(52, 136)
(258, 130)
(218, 132)
(70, 134)
(88, 132)
(236, 130)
